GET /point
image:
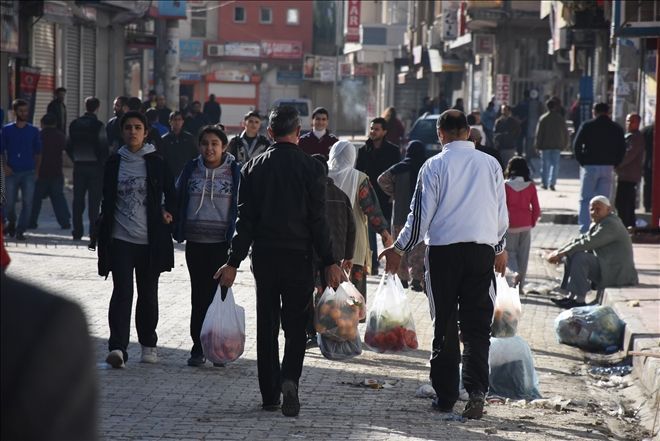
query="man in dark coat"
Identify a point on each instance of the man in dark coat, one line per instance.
(212, 110)
(58, 108)
(196, 120)
(178, 146)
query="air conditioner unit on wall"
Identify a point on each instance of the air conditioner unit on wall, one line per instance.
(215, 50)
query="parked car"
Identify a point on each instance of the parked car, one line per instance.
(304, 108)
(424, 130)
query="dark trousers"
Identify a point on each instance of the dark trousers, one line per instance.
(460, 275)
(87, 179)
(125, 258)
(203, 260)
(625, 202)
(281, 276)
(53, 188)
(648, 190)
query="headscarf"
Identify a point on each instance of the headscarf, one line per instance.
(341, 168)
(412, 162)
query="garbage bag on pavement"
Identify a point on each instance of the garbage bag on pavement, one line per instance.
(507, 310)
(593, 328)
(512, 373)
(223, 329)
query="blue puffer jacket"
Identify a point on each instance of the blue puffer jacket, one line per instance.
(183, 197)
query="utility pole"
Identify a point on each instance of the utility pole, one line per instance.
(339, 24)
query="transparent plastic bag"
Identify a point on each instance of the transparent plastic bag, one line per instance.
(336, 315)
(507, 310)
(352, 291)
(339, 350)
(512, 373)
(592, 328)
(390, 325)
(223, 329)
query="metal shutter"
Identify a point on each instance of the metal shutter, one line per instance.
(72, 72)
(88, 60)
(43, 50)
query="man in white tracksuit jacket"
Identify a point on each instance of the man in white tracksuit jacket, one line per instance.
(459, 210)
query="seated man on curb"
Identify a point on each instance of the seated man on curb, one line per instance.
(602, 256)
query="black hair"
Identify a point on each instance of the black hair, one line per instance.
(283, 121)
(92, 104)
(134, 114)
(379, 120)
(176, 113)
(49, 120)
(601, 108)
(152, 92)
(252, 114)
(123, 100)
(471, 119)
(134, 104)
(321, 110)
(18, 103)
(214, 129)
(517, 167)
(551, 104)
(453, 121)
(152, 115)
(60, 89)
(322, 159)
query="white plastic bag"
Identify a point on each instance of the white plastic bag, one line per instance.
(390, 325)
(512, 374)
(507, 310)
(352, 291)
(336, 321)
(223, 330)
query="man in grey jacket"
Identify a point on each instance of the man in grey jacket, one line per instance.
(602, 256)
(551, 138)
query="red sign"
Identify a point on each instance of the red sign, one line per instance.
(502, 88)
(29, 79)
(353, 21)
(281, 49)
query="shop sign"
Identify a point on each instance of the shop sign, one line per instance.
(283, 49)
(190, 76)
(28, 81)
(169, 9)
(353, 21)
(502, 88)
(250, 50)
(289, 77)
(238, 75)
(191, 50)
(483, 44)
(319, 68)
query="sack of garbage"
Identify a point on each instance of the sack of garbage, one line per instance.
(339, 350)
(223, 329)
(507, 310)
(593, 328)
(512, 373)
(390, 325)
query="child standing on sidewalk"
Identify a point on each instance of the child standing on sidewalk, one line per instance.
(523, 206)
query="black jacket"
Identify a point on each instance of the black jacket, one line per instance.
(178, 150)
(281, 205)
(88, 142)
(374, 162)
(159, 183)
(600, 141)
(341, 221)
(237, 147)
(113, 133)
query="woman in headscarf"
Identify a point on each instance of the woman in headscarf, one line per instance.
(399, 183)
(365, 206)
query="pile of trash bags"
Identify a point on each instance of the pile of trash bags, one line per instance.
(593, 328)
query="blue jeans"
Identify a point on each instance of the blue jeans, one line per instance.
(595, 180)
(549, 167)
(25, 181)
(53, 188)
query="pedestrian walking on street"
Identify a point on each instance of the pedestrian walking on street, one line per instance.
(459, 209)
(58, 108)
(207, 195)
(601, 257)
(149, 103)
(475, 137)
(249, 143)
(551, 138)
(112, 129)
(599, 146)
(178, 147)
(524, 211)
(374, 157)
(134, 235)
(395, 128)
(196, 120)
(164, 113)
(282, 216)
(488, 117)
(319, 140)
(88, 149)
(399, 182)
(629, 171)
(506, 134)
(21, 151)
(212, 110)
(50, 182)
(366, 209)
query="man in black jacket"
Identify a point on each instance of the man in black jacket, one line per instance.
(58, 108)
(249, 143)
(212, 110)
(112, 129)
(599, 146)
(374, 157)
(281, 214)
(88, 149)
(178, 146)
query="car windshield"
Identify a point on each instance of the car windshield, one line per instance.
(424, 131)
(302, 108)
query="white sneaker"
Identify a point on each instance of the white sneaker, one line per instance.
(115, 359)
(149, 355)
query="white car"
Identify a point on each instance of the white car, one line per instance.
(304, 108)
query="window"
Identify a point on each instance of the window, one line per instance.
(239, 14)
(292, 16)
(266, 15)
(198, 23)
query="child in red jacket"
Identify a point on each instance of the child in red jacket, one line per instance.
(523, 206)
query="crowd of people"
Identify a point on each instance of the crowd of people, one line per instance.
(308, 210)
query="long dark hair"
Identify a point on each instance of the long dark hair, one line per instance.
(517, 167)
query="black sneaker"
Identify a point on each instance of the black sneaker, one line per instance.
(474, 409)
(196, 360)
(272, 407)
(561, 301)
(441, 407)
(218, 365)
(11, 229)
(552, 187)
(291, 404)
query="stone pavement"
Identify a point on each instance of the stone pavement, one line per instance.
(173, 401)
